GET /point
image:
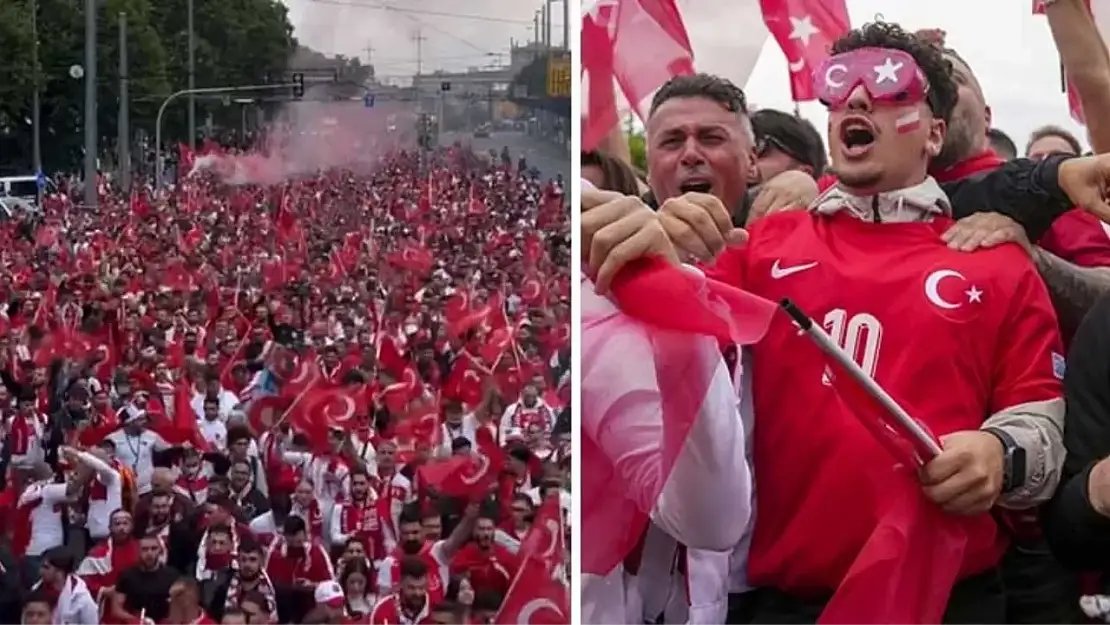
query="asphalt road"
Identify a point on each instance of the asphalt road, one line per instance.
(548, 158)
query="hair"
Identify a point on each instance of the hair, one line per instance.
(1002, 144)
(942, 94)
(249, 545)
(357, 566)
(793, 133)
(40, 595)
(619, 175)
(411, 513)
(1054, 131)
(413, 567)
(720, 90)
(293, 525)
(60, 558)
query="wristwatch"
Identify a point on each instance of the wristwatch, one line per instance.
(1013, 460)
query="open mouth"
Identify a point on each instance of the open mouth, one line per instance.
(696, 185)
(857, 135)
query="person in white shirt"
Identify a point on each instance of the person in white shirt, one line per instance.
(529, 410)
(104, 486)
(228, 401)
(75, 605)
(705, 502)
(44, 498)
(135, 446)
(212, 427)
(457, 424)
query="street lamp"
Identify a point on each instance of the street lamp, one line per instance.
(192, 78)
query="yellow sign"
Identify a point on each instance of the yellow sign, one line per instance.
(558, 76)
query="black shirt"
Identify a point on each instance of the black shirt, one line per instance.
(1079, 536)
(147, 590)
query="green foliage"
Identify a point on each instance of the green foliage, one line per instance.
(238, 42)
(638, 150)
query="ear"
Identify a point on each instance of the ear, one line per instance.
(989, 115)
(935, 141)
(752, 163)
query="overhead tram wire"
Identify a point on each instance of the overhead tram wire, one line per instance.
(375, 6)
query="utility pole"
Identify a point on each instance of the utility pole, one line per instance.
(566, 25)
(124, 107)
(546, 19)
(36, 132)
(369, 50)
(90, 106)
(536, 28)
(192, 77)
(419, 38)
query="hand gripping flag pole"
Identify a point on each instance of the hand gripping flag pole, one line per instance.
(923, 442)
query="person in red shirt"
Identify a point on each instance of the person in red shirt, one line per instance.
(410, 604)
(185, 604)
(489, 566)
(105, 561)
(296, 566)
(358, 518)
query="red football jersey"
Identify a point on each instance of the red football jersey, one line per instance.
(954, 337)
(1080, 238)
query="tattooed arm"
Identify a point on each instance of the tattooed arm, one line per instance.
(1074, 289)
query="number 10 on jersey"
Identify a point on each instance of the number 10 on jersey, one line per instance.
(859, 335)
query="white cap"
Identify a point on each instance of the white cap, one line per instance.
(329, 593)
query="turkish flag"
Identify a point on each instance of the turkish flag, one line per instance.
(677, 304)
(467, 477)
(535, 597)
(615, 36)
(805, 29)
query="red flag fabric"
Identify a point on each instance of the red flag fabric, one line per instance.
(695, 305)
(614, 35)
(615, 512)
(805, 29)
(534, 597)
(467, 477)
(906, 569)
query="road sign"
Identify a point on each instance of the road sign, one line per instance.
(558, 76)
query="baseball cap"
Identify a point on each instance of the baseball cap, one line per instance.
(793, 136)
(330, 594)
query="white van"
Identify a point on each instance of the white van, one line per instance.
(23, 187)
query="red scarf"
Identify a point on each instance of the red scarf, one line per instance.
(313, 519)
(985, 161)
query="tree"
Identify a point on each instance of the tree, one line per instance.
(637, 147)
(238, 42)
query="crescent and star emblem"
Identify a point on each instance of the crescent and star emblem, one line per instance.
(797, 66)
(473, 479)
(932, 289)
(536, 605)
(835, 83)
(553, 530)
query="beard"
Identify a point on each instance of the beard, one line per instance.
(861, 180)
(959, 142)
(411, 547)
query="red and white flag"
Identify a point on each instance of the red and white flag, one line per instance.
(614, 507)
(639, 45)
(805, 29)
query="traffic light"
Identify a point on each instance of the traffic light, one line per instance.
(298, 85)
(368, 100)
(444, 86)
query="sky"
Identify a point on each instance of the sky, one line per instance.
(1009, 49)
(457, 35)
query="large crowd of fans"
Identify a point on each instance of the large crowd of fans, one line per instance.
(343, 397)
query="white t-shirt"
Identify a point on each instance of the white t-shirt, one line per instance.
(136, 452)
(47, 530)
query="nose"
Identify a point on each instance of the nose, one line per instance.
(859, 100)
(691, 153)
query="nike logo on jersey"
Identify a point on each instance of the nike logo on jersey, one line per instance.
(778, 272)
